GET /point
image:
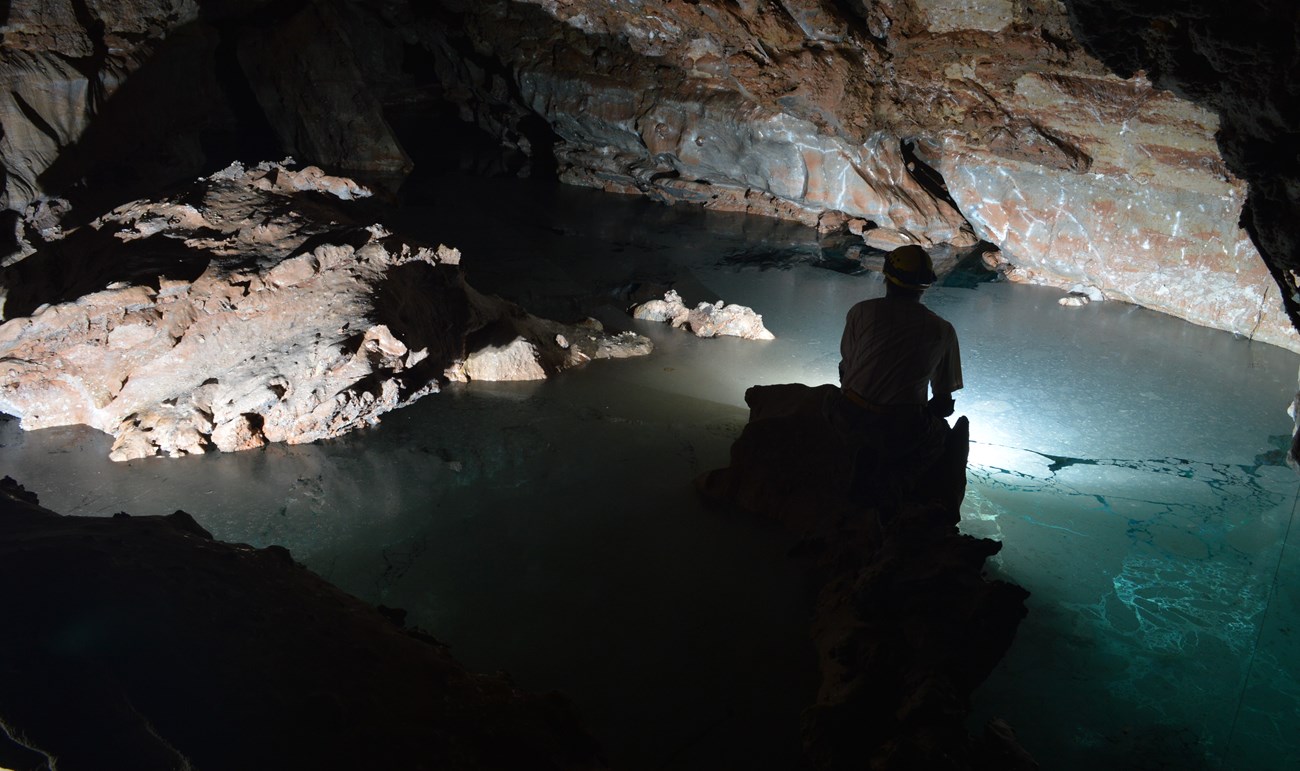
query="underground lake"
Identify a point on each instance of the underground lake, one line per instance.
(1131, 464)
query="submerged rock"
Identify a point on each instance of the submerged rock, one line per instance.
(242, 312)
(142, 643)
(705, 319)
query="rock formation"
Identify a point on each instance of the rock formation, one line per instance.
(934, 121)
(141, 643)
(705, 319)
(906, 625)
(1114, 151)
(242, 312)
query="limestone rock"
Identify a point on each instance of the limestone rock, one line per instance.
(705, 319)
(241, 313)
(516, 360)
(69, 117)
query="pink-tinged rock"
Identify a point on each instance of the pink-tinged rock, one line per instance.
(268, 343)
(705, 319)
(712, 145)
(515, 361)
(1150, 217)
(801, 107)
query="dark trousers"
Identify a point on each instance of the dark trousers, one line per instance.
(891, 447)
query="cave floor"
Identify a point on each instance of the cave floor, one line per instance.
(1130, 463)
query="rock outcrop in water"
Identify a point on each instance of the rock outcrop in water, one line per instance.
(705, 319)
(906, 625)
(243, 312)
(141, 643)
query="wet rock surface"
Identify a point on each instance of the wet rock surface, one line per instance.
(142, 643)
(252, 309)
(1119, 150)
(705, 319)
(906, 625)
(931, 122)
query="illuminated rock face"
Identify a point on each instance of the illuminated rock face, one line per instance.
(797, 108)
(241, 314)
(1151, 217)
(810, 110)
(705, 319)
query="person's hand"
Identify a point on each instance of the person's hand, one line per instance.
(941, 406)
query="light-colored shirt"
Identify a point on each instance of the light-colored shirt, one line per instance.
(893, 348)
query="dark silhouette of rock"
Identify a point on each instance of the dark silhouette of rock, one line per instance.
(906, 626)
(140, 643)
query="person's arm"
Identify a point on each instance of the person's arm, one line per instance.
(941, 405)
(946, 379)
(847, 344)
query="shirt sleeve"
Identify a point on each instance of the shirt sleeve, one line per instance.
(947, 376)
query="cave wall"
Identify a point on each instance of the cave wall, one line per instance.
(1104, 146)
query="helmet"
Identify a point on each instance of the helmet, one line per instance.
(910, 267)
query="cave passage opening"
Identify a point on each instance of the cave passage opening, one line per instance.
(1131, 464)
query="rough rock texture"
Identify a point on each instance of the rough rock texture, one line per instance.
(241, 312)
(141, 643)
(1240, 60)
(906, 625)
(1114, 144)
(932, 120)
(705, 319)
(306, 75)
(105, 101)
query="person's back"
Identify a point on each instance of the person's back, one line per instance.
(894, 350)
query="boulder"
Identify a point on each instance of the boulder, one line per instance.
(937, 122)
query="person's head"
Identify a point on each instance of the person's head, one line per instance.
(908, 271)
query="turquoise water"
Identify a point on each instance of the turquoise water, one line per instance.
(1129, 462)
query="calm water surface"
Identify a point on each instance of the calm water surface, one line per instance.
(1131, 464)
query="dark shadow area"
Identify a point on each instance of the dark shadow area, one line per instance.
(426, 307)
(154, 661)
(428, 120)
(926, 175)
(90, 261)
(172, 119)
(907, 625)
(968, 269)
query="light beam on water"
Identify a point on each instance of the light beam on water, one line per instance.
(1130, 463)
